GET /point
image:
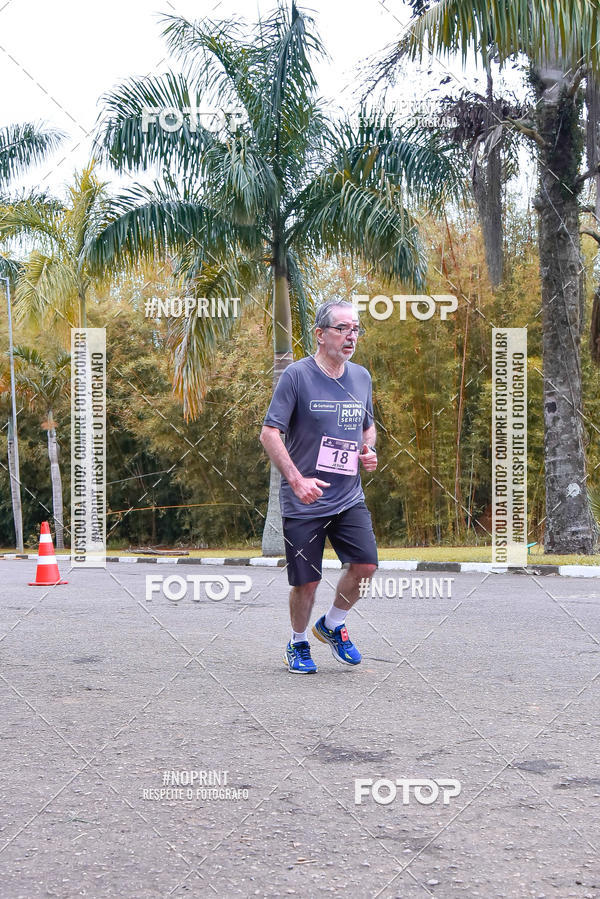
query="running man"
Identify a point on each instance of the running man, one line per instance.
(323, 404)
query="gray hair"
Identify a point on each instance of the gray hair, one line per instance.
(323, 312)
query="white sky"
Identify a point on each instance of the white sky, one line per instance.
(58, 58)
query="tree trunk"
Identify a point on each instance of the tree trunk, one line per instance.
(82, 309)
(272, 541)
(592, 101)
(569, 524)
(57, 496)
(15, 491)
(595, 328)
(459, 506)
(487, 190)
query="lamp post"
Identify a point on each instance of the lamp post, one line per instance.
(15, 477)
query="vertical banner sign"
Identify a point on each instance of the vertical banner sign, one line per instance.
(509, 446)
(88, 447)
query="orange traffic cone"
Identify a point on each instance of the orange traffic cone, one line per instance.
(47, 573)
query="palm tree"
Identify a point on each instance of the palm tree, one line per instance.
(21, 146)
(55, 278)
(257, 200)
(561, 40)
(43, 382)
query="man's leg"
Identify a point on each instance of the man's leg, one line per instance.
(301, 603)
(304, 544)
(297, 653)
(352, 537)
(331, 628)
(349, 585)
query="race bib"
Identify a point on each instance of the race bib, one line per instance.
(338, 456)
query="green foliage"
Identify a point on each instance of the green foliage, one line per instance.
(212, 473)
(213, 467)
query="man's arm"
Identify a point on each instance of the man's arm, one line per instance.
(367, 456)
(277, 453)
(370, 435)
(306, 489)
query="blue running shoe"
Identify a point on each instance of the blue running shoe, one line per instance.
(297, 658)
(342, 647)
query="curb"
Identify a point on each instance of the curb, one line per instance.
(384, 565)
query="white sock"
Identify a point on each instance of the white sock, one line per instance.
(335, 617)
(299, 637)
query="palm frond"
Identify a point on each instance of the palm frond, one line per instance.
(89, 200)
(30, 356)
(142, 224)
(43, 379)
(342, 216)
(10, 268)
(23, 145)
(131, 134)
(48, 284)
(289, 43)
(240, 182)
(378, 150)
(546, 31)
(217, 55)
(194, 339)
(34, 217)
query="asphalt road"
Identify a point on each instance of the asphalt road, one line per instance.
(109, 698)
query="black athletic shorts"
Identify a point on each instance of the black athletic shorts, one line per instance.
(350, 533)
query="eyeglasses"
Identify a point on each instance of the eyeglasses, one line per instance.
(345, 330)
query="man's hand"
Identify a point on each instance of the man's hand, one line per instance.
(308, 489)
(368, 458)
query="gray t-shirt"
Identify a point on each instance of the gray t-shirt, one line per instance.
(323, 419)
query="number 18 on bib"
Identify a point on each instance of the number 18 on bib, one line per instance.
(338, 456)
